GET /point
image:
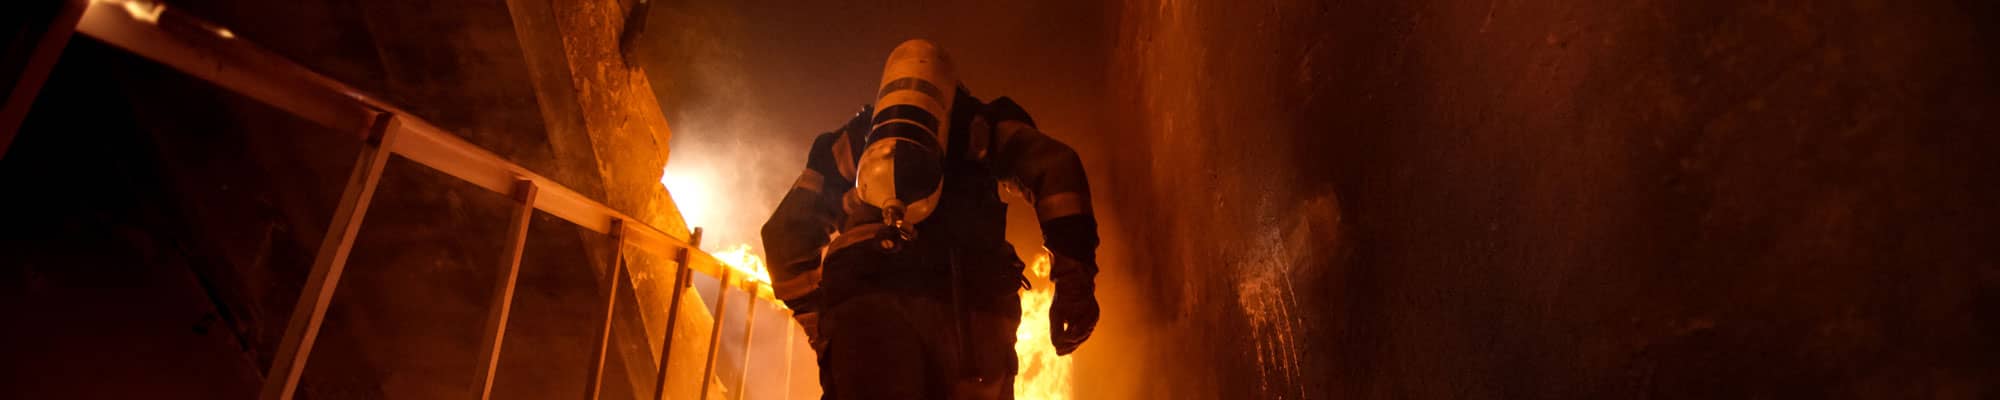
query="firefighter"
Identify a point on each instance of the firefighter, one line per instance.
(891, 246)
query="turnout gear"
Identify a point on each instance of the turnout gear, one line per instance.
(1069, 230)
(891, 246)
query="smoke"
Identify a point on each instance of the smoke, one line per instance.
(726, 178)
(730, 163)
(747, 85)
(734, 155)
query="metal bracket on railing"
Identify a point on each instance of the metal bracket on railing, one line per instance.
(502, 302)
(593, 388)
(715, 332)
(749, 331)
(681, 274)
(316, 294)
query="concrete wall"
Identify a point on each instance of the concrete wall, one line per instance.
(1556, 199)
(1446, 199)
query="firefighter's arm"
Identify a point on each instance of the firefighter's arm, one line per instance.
(1051, 175)
(800, 226)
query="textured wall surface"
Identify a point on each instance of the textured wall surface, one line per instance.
(1560, 199)
(1460, 199)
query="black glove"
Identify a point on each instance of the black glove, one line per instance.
(1073, 315)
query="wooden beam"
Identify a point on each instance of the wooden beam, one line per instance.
(681, 272)
(44, 28)
(317, 292)
(635, 28)
(547, 61)
(502, 302)
(595, 375)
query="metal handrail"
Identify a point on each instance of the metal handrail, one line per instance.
(214, 54)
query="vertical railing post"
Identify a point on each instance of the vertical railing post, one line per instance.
(317, 292)
(25, 60)
(715, 331)
(791, 334)
(749, 331)
(681, 276)
(594, 387)
(502, 301)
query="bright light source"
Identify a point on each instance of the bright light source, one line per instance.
(148, 12)
(701, 205)
(745, 260)
(693, 195)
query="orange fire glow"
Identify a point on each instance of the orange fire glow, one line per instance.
(744, 260)
(1044, 375)
(699, 204)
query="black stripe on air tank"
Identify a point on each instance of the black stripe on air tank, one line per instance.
(911, 83)
(904, 130)
(918, 171)
(910, 112)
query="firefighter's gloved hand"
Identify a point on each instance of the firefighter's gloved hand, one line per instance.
(1073, 315)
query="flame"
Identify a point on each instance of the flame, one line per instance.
(1044, 375)
(744, 260)
(694, 196)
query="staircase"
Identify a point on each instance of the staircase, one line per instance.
(688, 352)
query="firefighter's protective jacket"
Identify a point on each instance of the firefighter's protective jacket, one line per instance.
(818, 220)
